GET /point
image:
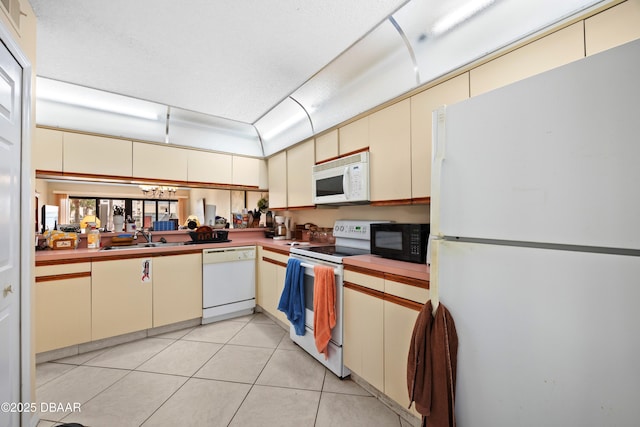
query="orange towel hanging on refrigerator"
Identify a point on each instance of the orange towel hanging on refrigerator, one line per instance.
(324, 307)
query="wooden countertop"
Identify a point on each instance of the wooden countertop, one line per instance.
(238, 238)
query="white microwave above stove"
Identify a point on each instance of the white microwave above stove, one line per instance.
(342, 181)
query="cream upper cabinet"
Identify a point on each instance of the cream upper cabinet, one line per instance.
(390, 152)
(177, 288)
(46, 154)
(327, 146)
(354, 136)
(300, 161)
(278, 181)
(249, 171)
(96, 155)
(422, 106)
(208, 167)
(121, 297)
(613, 27)
(556, 49)
(160, 162)
(363, 336)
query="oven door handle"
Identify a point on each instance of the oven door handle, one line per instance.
(305, 265)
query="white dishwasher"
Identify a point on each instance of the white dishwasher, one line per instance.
(228, 282)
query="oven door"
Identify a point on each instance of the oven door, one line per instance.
(309, 288)
(334, 362)
(309, 291)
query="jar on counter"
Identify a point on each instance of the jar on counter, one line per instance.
(93, 239)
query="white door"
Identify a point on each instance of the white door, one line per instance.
(10, 137)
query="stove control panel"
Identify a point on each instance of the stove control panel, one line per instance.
(354, 229)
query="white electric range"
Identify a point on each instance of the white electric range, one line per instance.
(352, 238)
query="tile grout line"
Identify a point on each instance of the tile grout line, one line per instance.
(254, 383)
(197, 370)
(324, 379)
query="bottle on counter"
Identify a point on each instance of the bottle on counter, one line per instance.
(93, 238)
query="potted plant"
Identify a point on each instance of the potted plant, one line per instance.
(118, 218)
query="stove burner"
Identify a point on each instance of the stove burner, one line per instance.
(337, 251)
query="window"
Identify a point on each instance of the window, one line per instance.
(143, 211)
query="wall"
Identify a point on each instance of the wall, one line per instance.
(326, 217)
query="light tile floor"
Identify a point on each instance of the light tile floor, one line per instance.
(240, 372)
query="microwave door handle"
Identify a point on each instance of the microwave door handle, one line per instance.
(345, 182)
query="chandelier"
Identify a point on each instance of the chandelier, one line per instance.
(158, 191)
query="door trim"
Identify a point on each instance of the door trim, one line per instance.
(27, 359)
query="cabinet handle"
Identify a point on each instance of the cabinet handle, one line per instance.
(7, 290)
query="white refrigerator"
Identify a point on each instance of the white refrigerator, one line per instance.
(535, 216)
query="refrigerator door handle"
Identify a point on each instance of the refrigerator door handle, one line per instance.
(438, 156)
(433, 274)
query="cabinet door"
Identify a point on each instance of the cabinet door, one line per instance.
(63, 313)
(554, 50)
(363, 336)
(390, 152)
(281, 273)
(422, 106)
(177, 288)
(398, 327)
(47, 150)
(327, 146)
(278, 181)
(121, 300)
(208, 167)
(248, 171)
(266, 292)
(300, 160)
(159, 162)
(96, 155)
(272, 268)
(417, 292)
(354, 136)
(612, 27)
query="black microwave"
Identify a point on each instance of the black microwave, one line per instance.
(403, 242)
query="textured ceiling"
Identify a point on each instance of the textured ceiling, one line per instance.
(232, 59)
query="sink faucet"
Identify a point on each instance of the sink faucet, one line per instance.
(147, 236)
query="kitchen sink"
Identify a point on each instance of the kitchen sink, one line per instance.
(142, 246)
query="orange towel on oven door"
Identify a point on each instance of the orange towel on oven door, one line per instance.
(324, 307)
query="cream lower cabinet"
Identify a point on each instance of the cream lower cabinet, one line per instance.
(177, 288)
(281, 273)
(272, 268)
(363, 336)
(63, 306)
(121, 298)
(380, 311)
(398, 328)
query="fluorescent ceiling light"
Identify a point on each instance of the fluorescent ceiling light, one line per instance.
(82, 97)
(459, 15)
